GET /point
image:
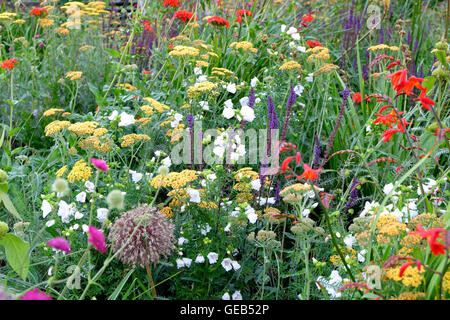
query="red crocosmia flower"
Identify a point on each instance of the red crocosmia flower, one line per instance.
(387, 134)
(39, 12)
(426, 102)
(35, 294)
(146, 72)
(393, 64)
(98, 108)
(307, 18)
(387, 119)
(404, 267)
(60, 244)
(357, 97)
(243, 12)
(432, 235)
(100, 164)
(413, 82)
(172, 3)
(298, 157)
(309, 174)
(8, 64)
(170, 46)
(285, 163)
(219, 21)
(97, 238)
(398, 169)
(398, 80)
(313, 43)
(147, 25)
(184, 15)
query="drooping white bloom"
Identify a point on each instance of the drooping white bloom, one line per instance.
(135, 176)
(212, 257)
(291, 30)
(195, 195)
(231, 88)
(228, 113)
(349, 241)
(126, 119)
(180, 263)
(244, 101)
(167, 162)
(295, 36)
(81, 197)
(251, 214)
(226, 264)
(361, 255)
(283, 28)
(187, 262)
(113, 115)
(301, 49)
(202, 79)
(227, 227)
(211, 177)
(182, 240)
(198, 71)
(256, 184)
(248, 114)
(102, 214)
(204, 105)
(237, 295)
(253, 82)
(226, 296)
(46, 208)
(298, 89)
(236, 265)
(89, 186)
(65, 211)
(205, 230)
(200, 259)
(50, 223)
(309, 78)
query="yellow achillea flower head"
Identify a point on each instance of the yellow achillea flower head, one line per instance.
(83, 128)
(94, 143)
(55, 126)
(290, 65)
(51, 111)
(147, 110)
(201, 87)
(126, 86)
(80, 171)
(182, 51)
(46, 22)
(383, 46)
(129, 139)
(244, 45)
(411, 277)
(167, 211)
(62, 30)
(160, 107)
(61, 172)
(201, 63)
(325, 68)
(19, 21)
(74, 75)
(100, 132)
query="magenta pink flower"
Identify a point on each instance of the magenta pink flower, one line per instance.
(60, 244)
(100, 164)
(97, 238)
(35, 294)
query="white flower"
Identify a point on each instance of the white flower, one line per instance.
(182, 240)
(298, 89)
(244, 101)
(46, 208)
(81, 197)
(338, 234)
(309, 78)
(113, 115)
(231, 88)
(85, 228)
(226, 264)
(291, 30)
(228, 113)
(180, 263)
(126, 119)
(227, 227)
(205, 230)
(198, 71)
(204, 105)
(361, 254)
(253, 82)
(49, 223)
(226, 296)
(89, 186)
(200, 259)
(335, 278)
(295, 36)
(195, 195)
(211, 177)
(236, 295)
(102, 214)
(78, 215)
(306, 213)
(236, 265)
(256, 184)
(187, 262)
(349, 240)
(252, 217)
(212, 257)
(65, 211)
(202, 79)
(283, 28)
(167, 162)
(136, 176)
(301, 49)
(248, 114)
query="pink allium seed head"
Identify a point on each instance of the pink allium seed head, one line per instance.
(97, 238)
(60, 244)
(100, 164)
(35, 294)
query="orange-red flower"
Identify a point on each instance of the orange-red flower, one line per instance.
(147, 25)
(387, 119)
(387, 134)
(8, 64)
(184, 15)
(357, 97)
(219, 21)
(285, 163)
(426, 102)
(313, 43)
(39, 12)
(309, 173)
(172, 3)
(432, 235)
(243, 12)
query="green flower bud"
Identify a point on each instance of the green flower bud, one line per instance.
(3, 176)
(3, 229)
(115, 199)
(442, 45)
(60, 186)
(440, 72)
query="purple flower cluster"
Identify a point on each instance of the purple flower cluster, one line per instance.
(290, 103)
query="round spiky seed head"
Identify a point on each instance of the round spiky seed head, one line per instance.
(61, 186)
(151, 232)
(115, 199)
